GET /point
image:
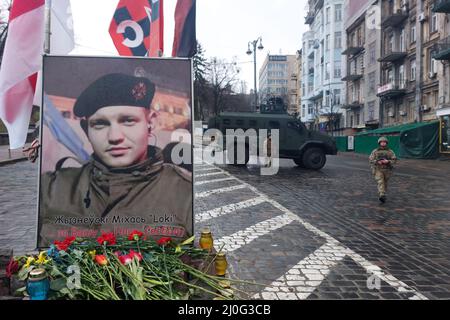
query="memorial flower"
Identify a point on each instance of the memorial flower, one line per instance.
(107, 239)
(101, 259)
(113, 268)
(135, 235)
(164, 241)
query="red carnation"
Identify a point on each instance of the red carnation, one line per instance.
(135, 235)
(61, 245)
(65, 244)
(136, 255)
(12, 268)
(107, 239)
(126, 259)
(164, 241)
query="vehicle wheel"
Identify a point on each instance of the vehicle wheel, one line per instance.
(314, 158)
(235, 159)
(299, 162)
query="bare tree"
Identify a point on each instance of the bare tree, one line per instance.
(223, 78)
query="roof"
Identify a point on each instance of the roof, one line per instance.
(398, 129)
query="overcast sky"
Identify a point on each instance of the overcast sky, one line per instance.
(224, 28)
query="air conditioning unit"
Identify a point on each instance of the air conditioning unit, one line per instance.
(432, 74)
(402, 113)
(391, 114)
(422, 17)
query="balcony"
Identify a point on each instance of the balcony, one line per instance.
(393, 56)
(392, 89)
(352, 77)
(394, 19)
(442, 49)
(317, 96)
(355, 102)
(353, 50)
(441, 6)
(309, 19)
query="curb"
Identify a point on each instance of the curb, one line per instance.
(11, 161)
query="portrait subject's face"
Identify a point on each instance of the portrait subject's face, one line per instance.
(383, 144)
(119, 135)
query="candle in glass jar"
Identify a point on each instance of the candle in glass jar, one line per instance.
(206, 239)
(38, 284)
(221, 264)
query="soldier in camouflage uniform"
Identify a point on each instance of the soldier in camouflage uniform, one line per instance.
(126, 185)
(382, 160)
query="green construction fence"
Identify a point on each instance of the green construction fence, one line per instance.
(413, 140)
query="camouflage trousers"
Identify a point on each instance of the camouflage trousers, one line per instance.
(382, 178)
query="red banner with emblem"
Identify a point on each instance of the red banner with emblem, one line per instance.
(137, 28)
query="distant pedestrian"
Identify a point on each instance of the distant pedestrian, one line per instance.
(268, 150)
(382, 161)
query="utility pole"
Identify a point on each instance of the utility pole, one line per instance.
(249, 52)
(48, 23)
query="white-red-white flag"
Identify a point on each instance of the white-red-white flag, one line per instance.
(21, 62)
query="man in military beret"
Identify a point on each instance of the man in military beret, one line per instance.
(382, 161)
(126, 185)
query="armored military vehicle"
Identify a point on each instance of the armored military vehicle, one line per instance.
(307, 148)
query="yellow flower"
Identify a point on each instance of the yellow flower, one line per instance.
(92, 254)
(30, 260)
(178, 249)
(42, 258)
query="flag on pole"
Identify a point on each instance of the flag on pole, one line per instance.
(137, 28)
(62, 39)
(185, 38)
(62, 36)
(21, 62)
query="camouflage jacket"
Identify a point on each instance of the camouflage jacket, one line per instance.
(153, 197)
(382, 154)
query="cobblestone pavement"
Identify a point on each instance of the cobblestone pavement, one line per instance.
(323, 235)
(302, 234)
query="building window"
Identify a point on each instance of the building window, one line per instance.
(337, 97)
(303, 111)
(328, 15)
(327, 42)
(372, 83)
(434, 22)
(432, 64)
(327, 71)
(337, 69)
(310, 109)
(402, 41)
(372, 53)
(401, 76)
(338, 12)
(412, 74)
(338, 40)
(371, 109)
(391, 43)
(413, 35)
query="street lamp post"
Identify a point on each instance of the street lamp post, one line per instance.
(249, 52)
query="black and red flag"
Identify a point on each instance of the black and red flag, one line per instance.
(137, 28)
(185, 40)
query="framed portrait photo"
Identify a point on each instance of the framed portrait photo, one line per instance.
(116, 148)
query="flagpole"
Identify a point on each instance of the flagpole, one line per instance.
(48, 16)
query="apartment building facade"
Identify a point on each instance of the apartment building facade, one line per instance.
(362, 38)
(322, 87)
(441, 53)
(276, 79)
